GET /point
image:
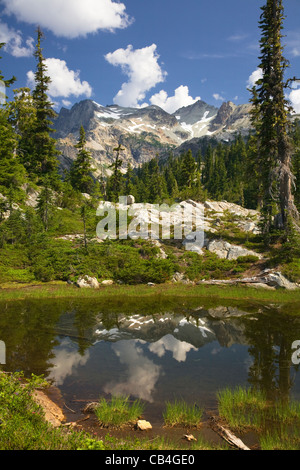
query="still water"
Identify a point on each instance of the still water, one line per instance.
(156, 352)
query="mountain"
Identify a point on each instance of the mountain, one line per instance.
(143, 132)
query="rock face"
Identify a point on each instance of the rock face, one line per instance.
(144, 133)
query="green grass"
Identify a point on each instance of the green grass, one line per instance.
(159, 443)
(23, 426)
(280, 440)
(248, 408)
(52, 290)
(180, 413)
(118, 412)
(242, 407)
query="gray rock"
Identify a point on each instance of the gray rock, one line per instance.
(107, 282)
(130, 200)
(277, 280)
(178, 277)
(227, 251)
(87, 282)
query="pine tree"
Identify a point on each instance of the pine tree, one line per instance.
(44, 161)
(114, 186)
(12, 172)
(270, 119)
(128, 180)
(188, 170)
(23, 118)
(45, 203)
(81, 170)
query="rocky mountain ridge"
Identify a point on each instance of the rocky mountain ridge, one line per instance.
(143, 132)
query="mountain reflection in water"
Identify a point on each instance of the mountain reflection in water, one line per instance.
(189, 353)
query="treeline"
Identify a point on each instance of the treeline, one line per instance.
(218, 171)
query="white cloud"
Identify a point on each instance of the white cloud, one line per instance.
(172, 103)
(142, 69)
(218, 97)
(64, 82)
(66, 103)
(70, 18)
(294, 98)
(254, 77)
(14, 41)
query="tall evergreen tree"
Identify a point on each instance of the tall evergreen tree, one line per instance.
(12, 172)
(23, 118)
(114, 186)
(81, 170)
(44, 161)
(270, 118)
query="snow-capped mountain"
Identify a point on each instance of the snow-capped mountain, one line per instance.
(143, 132)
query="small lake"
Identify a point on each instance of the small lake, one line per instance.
(152, 349)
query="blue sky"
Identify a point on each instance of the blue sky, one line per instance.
(140, 52)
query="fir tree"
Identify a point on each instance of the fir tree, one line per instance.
(114, 186)
(45, 203)
(81, 170)
(270, 119)
(23, 118)
(12, 172)
(44, 160)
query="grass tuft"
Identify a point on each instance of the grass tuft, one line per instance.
(180, 413)
(118, 412)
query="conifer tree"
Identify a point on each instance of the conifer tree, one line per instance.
(270, 119)
(44, 161)
(81, 170)
(23, 117)
(128, 180)
(12, 172)
(115, 181)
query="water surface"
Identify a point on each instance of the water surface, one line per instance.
(156, 352)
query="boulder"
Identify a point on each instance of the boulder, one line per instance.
(130, 200)
(227, 251)
(107, 282)
(87, 282)
(277, 280)
(178, 277)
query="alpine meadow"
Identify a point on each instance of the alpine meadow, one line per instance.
(150, 247)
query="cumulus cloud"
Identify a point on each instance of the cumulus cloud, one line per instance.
(142, 69)
(294, 98)
(218, 97)
(170, 104)
(14, 42)
(254, 77)
(70, 18)
(64, 82)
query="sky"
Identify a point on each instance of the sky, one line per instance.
(137, 53)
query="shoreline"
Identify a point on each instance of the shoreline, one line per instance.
(61, 290)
